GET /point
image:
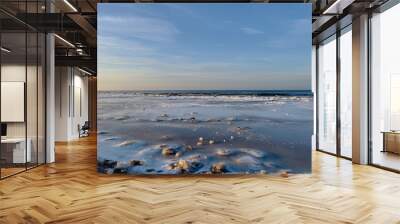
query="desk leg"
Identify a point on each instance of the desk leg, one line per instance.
(384, 142)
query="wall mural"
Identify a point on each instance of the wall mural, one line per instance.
(204, 88)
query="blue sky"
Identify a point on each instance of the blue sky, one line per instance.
(204, 46)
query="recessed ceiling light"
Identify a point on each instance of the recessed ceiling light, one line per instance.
(84, 71)
(5, 50)
(64, 40)
(337, 7)
(70, 5)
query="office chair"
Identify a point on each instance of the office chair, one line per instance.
(84, 130)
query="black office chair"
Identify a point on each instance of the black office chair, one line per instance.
(84, 130)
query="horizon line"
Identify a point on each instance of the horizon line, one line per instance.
(207, 90)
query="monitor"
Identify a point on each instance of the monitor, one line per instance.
(3, 129)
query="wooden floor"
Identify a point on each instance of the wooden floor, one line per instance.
(386, 159)
(71, 191)
(5, 172)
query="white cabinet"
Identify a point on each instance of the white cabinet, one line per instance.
(19, 154)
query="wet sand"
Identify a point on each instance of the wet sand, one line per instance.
(164, 134)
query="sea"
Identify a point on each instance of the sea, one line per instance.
(205, 131)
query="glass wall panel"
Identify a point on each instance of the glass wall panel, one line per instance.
(22, 77)
(31, 97)
(327, 95)
(346, 92)
(41, 98)
(13, 114)
(385, 89)
(32, 87)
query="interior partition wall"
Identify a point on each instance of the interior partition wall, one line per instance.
(22, 66)
(334, 93)
(385, 89)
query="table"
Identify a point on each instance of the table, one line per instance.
(16, 147)
(391, 141)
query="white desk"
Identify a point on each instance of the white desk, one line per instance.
(19, 153)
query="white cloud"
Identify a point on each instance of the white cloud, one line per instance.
(251, 31)
(116, 44)
(146, 28)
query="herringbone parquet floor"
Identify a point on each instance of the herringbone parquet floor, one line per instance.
(71, 191)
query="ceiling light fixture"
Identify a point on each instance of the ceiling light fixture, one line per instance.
(337, 7)
(331, 7)
(70, 5)
(64, 40)
(79, 51)
(84, 71)
(5, 50)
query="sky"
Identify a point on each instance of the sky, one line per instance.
(246, 46)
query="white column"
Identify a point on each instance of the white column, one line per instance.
(50, 99)
(360, 90)
(50, 92)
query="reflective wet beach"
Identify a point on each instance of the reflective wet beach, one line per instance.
(203, 133)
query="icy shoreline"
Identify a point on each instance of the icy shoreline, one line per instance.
(203, 134)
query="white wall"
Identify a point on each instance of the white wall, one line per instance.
(33, 126)
(70, 84)
(62, 82)
(17, 73)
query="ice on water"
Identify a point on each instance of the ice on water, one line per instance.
(245, 132)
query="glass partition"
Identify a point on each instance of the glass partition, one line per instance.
(31, 97)
(346, 92)
(13, 114)
(22, 78)
(385, 89)
(41, 97)
(327, 95)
